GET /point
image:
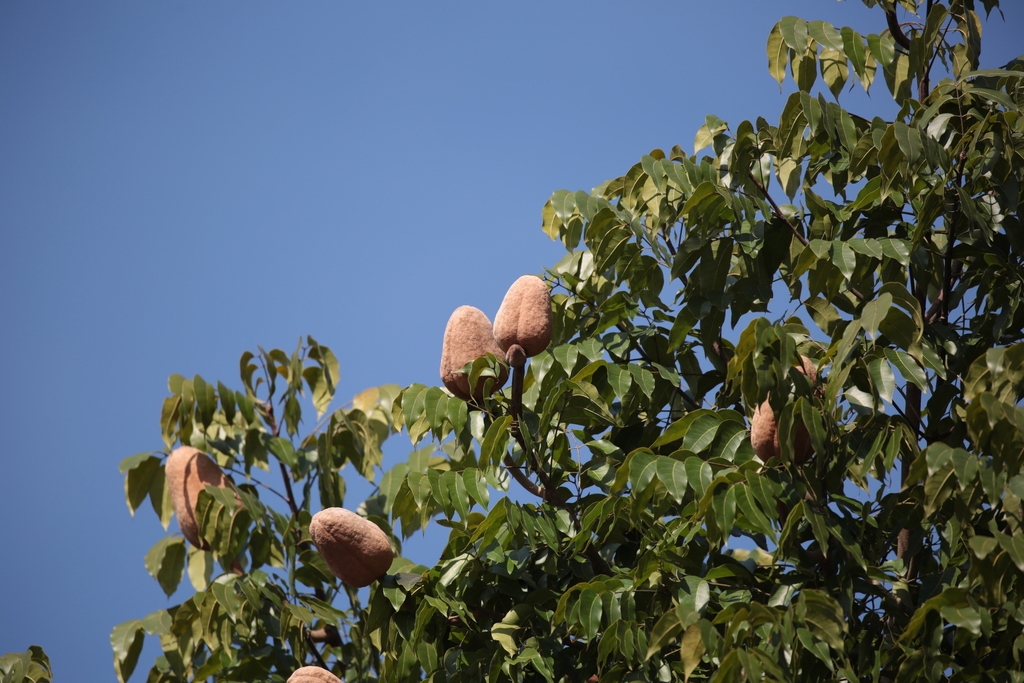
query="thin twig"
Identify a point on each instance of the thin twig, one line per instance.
(257, 482)
(776, 209)
(545, 494)
(905, 415)
(778, 212)
(328, 634)
(316, 652)
(289, 495)
(551, 496)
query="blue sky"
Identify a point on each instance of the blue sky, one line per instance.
(183, 181)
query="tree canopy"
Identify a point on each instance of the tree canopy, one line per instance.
(857, 280)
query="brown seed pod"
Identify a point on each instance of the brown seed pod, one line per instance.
(809, 369)
(188, 471)
(764, 428)
(313, 674)
(524, 317)
(469, 336)
(355, 549)
(764, 436)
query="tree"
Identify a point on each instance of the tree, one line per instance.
(628, 531)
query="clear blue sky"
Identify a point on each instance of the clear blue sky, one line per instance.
(181, 181)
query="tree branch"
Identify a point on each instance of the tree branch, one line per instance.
(328, 634)
(547, 495)
(516, 357)
(289, 497)
(547, 492)
(896, 30)
(551, 496)
(912, 413)
(924, 80)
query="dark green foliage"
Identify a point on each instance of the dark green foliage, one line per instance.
(643, 539)
(32, 666)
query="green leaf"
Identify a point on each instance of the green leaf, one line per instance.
(157, 623)
(882, 378)
(854, 49)
(165, 562)
(642, 468)
(1014, 547)
(126, 639)
(794, 31)
(698, 475)
(937, 488)
(139, 478)
(844, 258)
(133, 461)
(476, 486)
(834, 70)
(620, 379)
(200, 568)
(778, 56)
(160, 497)
(868, 247)
(679, 429)
(824, 618)
(495, 442)
(456, 492)
(206, 400)
(644, 379)
(701, 433)
(504, 634)
(590, 612)
(747, 504)
(982, 546)
(672, 473)
(691, 650)
(595, 404)
(285, 452)
(908, 367)
(663, 633)
(874, 313)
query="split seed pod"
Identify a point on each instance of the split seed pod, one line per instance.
(313, 674)
(524, 317)
(469, 336)
(188, 471)
(764, 428)
(355, 549)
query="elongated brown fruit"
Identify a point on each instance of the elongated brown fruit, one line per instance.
(355, 549)
(189, 471)
(313, 674)
(764, 436)
(524, 317)
(764, 428)
(469, 336)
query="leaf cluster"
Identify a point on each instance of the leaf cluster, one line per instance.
(624, 529)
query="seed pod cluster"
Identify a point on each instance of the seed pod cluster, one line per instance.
(189, 471)
(313, 674)
(524, 317)
(522, 328)
(469, 336)
(354, 548)
(764, 427)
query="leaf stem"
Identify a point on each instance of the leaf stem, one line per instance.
(776, 209)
